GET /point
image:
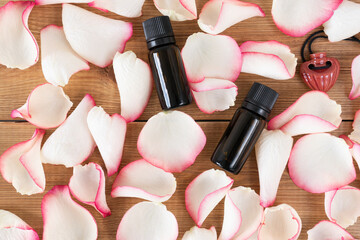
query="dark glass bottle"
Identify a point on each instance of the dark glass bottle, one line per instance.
(245, 128)
(166, 64)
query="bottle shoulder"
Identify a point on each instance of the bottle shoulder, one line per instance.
(163, 48)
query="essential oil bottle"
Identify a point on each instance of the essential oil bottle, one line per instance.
(245, 128)
(166, 63)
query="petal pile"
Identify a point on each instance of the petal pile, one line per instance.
(205, 192)
(269, 59)
(64, 218)
(94, 37)
(280, 222)
(177, 10)
(87, 184)
(58, 60)
(46, 107)
(171, 141)
(148, 221)
(14, 228)
(18, 47)
(134, 80)
(218, 15)
(126, 8)
(355, 74)
(109, 136)
(298, 17)
(313, 112)
(342, 205)
(321, 162)
(326, 230)
(196, 233)
(344, 23)
(72, 142)
(242, 214)
(272, 154)
(140, 179)
(21, 165)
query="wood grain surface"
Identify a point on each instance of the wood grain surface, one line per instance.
(100, 83)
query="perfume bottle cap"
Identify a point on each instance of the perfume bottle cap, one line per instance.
(158, 31)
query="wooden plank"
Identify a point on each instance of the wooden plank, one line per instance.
(309, 206)
(16, 84)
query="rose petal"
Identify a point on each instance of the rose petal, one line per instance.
(18, 47)
(326, 230)
(46, 2)
(171, 140)
(177, 10)
(14, 228)
(355, 74)
(126, 8)
(355, 134)
(148, 221)
(212, 56)
(218, 15)
(94, 37)
(269, 59)
(46, 107)
(205, 192)
(64, 218)
(196, 233)
(71, 143)
(321, 162)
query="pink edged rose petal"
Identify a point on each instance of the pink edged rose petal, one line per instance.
(109, 135)
(326, 230)
(14, 228)
(214, 94)
(95, 38)
(58, 60)
(355, 74)
(321, 162)
(46, 107)
(18, 46)
(344, 23)
(21, 165)
(72, 142)
(205, 192)
(355, 134)
(313, 112)
(218, 15)
(196, 233)
(242, 214)
(64, 218)
(298, 17)
(177, 10)
(148, 221)
(280, 222)
(140, 179)
(171, 140)
(212, 56)
(343, 205)
(272, 154)
(269, 59)
(126, 8)
(87, 184)
(134, 80)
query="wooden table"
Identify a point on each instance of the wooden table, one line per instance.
(100, 83)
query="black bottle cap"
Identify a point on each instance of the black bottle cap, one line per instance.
(158, 31)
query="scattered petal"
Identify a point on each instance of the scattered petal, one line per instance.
(177, 10)
(64, 218)
(321, 162)
(212, 56)
(71, 143)
(46, 107)
(148, 221)
(171, 140)
(126, 8)
(140, 179)
(326, 230)
(280, 222)
(21, 165)
(46, 2)
(242, 214)
(196, 233)
(355, 74)
(14, 228)
(298, 17)
(355, 134)
(272, 154)
(18, 46)
(269, 59)
(218, 15)
(94, 37)
(134, 80)
(313, 112)
(109, 135)
(205, 192)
